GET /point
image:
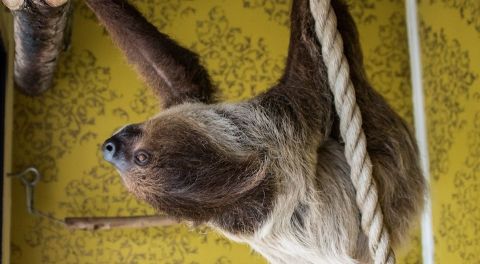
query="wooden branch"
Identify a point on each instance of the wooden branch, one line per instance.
(13, 4)
(100, 223)
(56, 3)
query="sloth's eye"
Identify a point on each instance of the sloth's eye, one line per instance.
(142, 158)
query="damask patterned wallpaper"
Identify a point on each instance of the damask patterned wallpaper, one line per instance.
(450, 35)
(243, 43)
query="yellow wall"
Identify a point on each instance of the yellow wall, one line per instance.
(242, 42)
(450, 35)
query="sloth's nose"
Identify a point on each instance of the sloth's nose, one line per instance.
(110, 148)
(114, 152)
(116, 149)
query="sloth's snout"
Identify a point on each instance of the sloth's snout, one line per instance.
(110, 148)
(114, 152)
(115, 149)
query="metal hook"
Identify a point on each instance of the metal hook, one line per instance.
(27, 180)
(30, 183)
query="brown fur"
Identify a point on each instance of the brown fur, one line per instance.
(225, 164)
(172, 71)
(191, 177)
(41, 33)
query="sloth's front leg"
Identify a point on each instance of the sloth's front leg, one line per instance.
(173, 72)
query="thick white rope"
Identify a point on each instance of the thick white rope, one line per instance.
(351, 129)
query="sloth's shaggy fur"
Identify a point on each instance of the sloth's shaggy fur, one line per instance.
(269, 171)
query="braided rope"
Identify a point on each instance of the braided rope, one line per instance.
(352, 132)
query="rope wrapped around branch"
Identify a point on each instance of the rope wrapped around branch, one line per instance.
(351, 130)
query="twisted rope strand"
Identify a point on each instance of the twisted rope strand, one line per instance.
(351, 129)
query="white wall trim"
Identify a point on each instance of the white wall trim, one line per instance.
(420, 123)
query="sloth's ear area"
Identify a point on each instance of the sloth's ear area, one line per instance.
(173, 72)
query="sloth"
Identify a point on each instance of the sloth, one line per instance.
(269, 171)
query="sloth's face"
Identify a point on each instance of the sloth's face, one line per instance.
(187, 161)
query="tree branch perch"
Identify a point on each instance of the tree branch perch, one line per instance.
(13, 4)
(101, 223)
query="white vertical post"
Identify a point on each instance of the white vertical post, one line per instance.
(420, 123)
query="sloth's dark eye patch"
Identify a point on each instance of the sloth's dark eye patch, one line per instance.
(142, 158)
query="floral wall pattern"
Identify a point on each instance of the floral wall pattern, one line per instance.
(243, 43)
(468, 10)
(451, 59)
